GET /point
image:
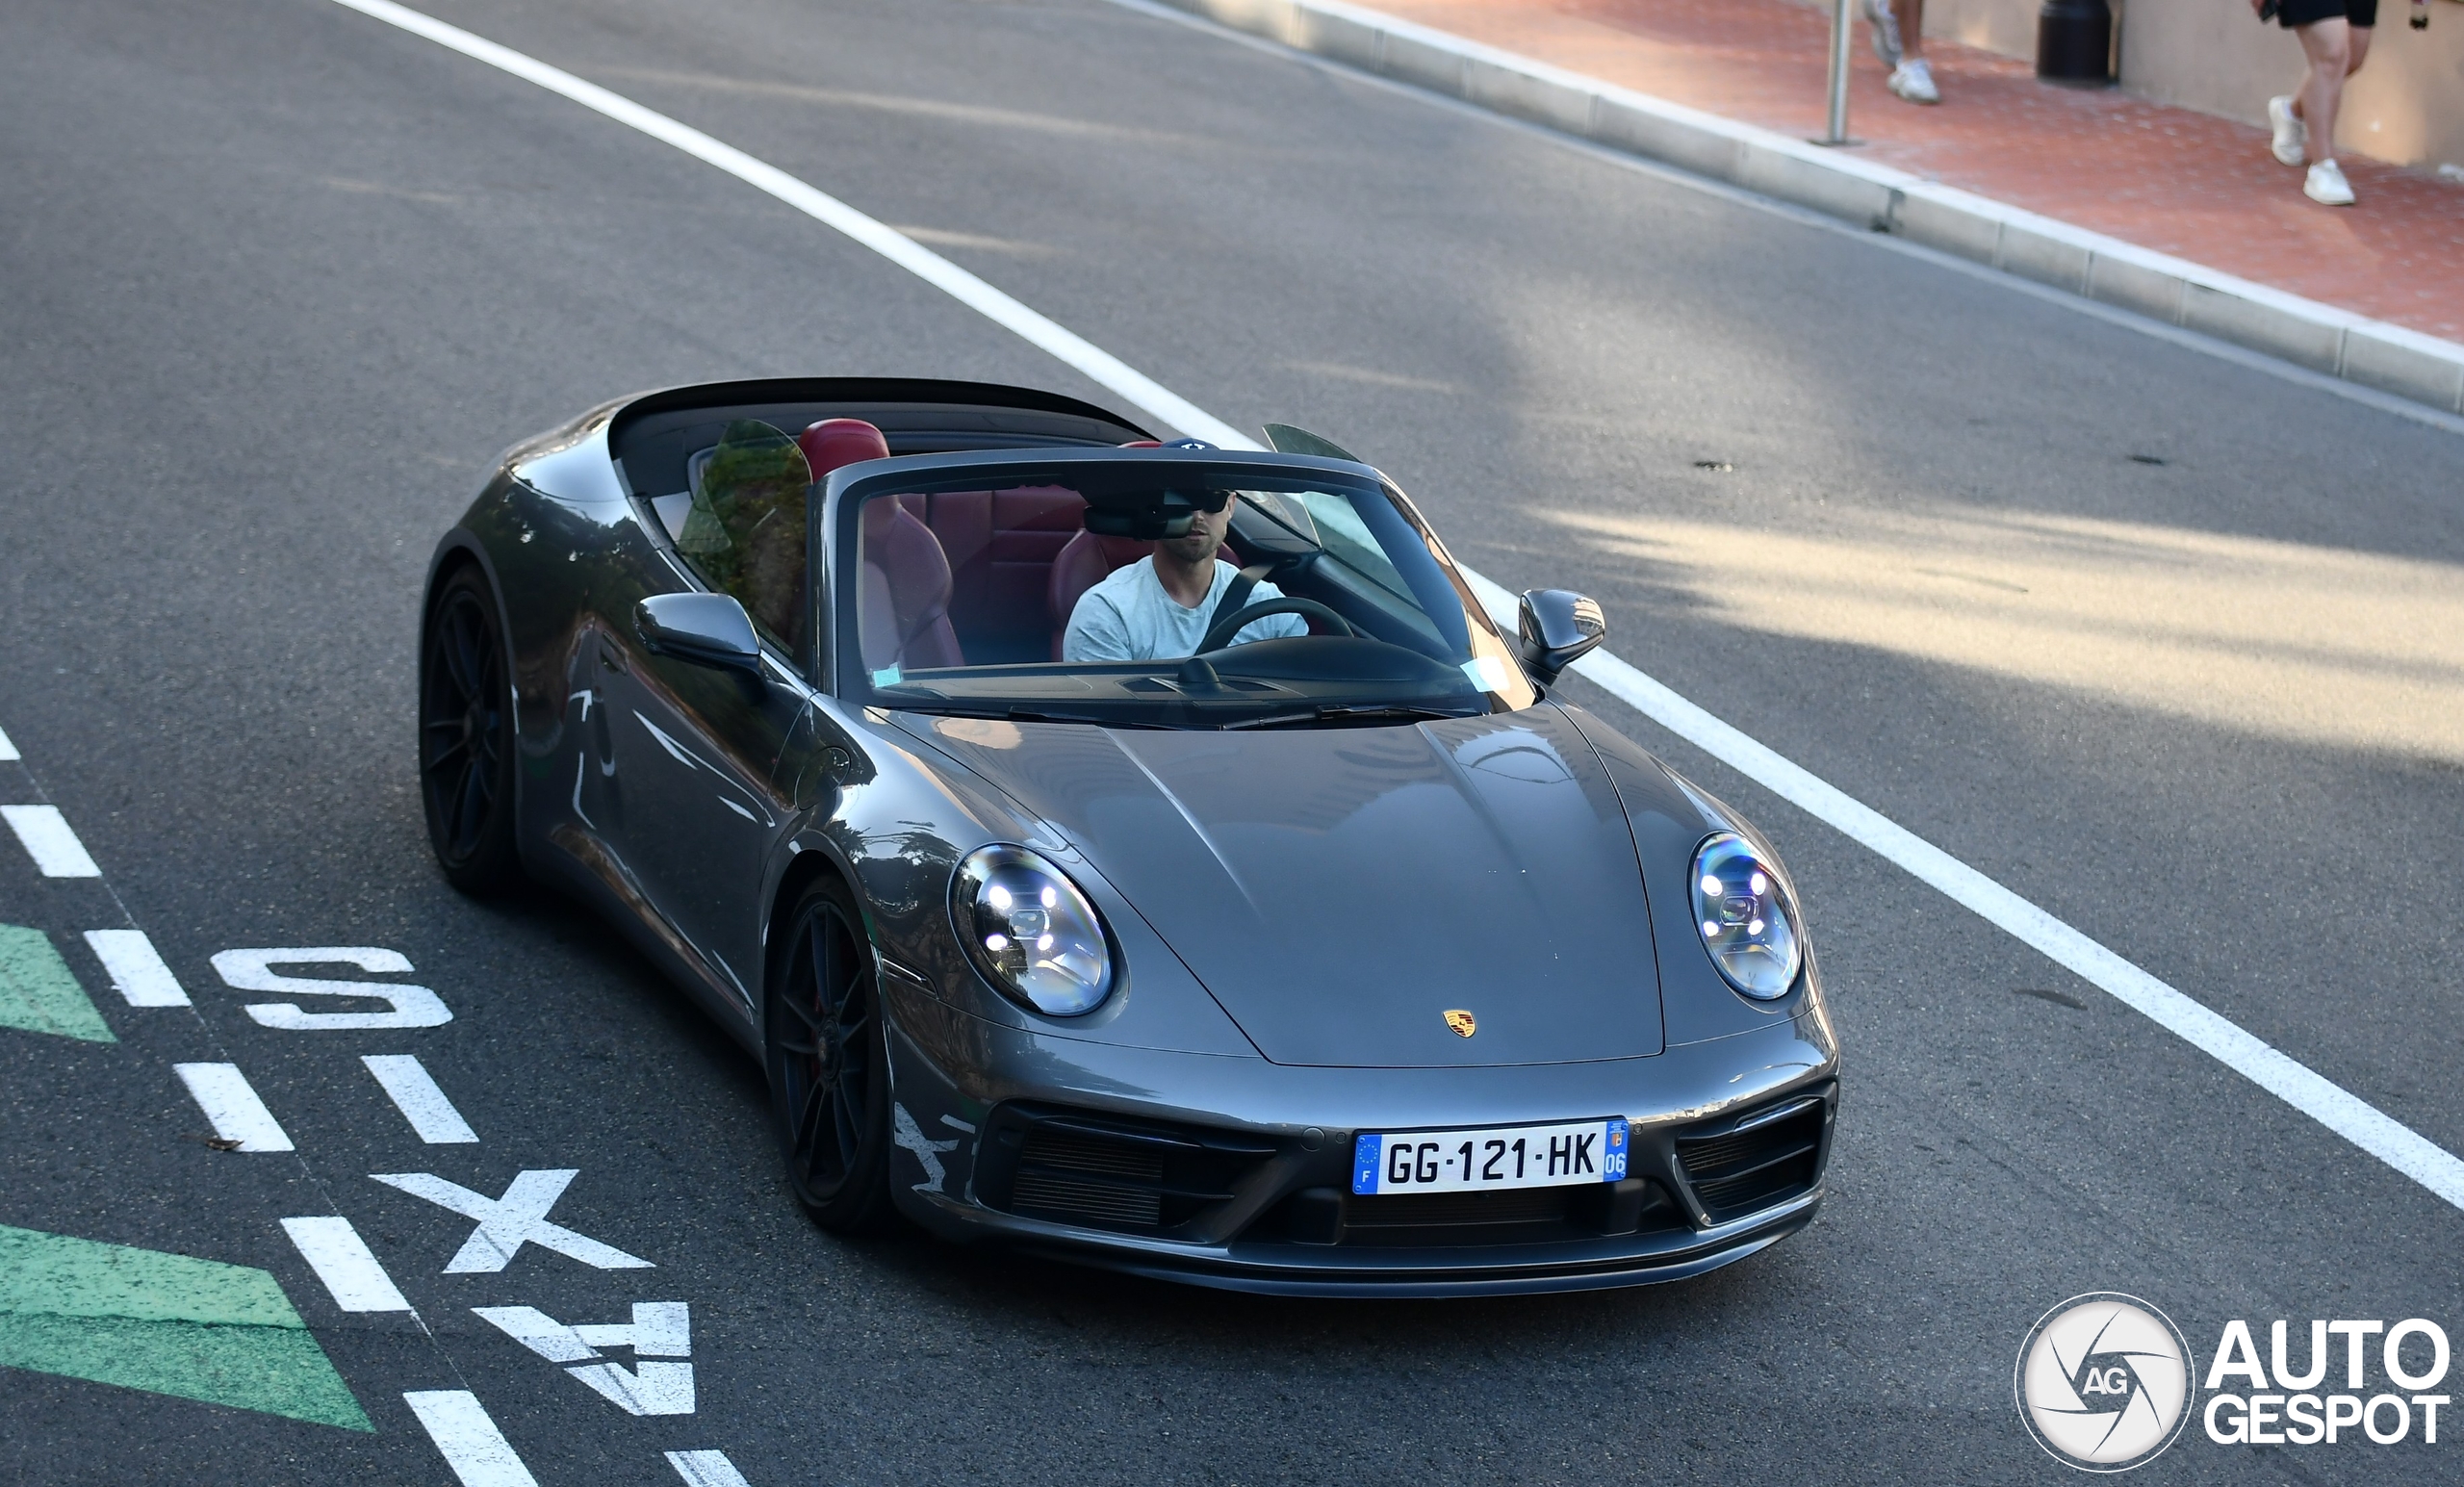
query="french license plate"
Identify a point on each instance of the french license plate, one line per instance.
(1522, 1156)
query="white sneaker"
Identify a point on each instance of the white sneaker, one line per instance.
(2326, 186)
(2291, 135)
(1883, 25)
(1914, 81)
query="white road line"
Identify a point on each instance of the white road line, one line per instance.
(2337, 1109)
(137, 973)
(2330, 1104)
(232, 1105)
(421, 1103)
(8, 751)
(43, 832)
(705, 1469)
(905, 251)
(344, 1261)
(468, 1439)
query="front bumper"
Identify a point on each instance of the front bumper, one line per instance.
(1233, 1171)
(1283, 1270)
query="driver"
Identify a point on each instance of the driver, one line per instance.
(1159, 607)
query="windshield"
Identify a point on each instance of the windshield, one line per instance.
(1137, 594)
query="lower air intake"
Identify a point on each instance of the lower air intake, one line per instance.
(1048, 1195)
(1110, 1173)
(1524, 1216)
(1770, 1160)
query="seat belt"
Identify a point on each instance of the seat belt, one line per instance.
(1238, 594)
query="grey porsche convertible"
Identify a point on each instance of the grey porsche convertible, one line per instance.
(1137, 851)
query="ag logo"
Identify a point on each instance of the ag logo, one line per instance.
(1462, 1023)
(2104, 1382)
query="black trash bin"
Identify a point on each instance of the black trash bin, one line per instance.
(2075, 42)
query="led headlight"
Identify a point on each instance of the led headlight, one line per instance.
(1030, 931)
(1745, 917)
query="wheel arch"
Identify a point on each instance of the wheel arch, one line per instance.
(811, 862)
(456, 550)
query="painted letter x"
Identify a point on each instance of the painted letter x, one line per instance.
(507, 1223)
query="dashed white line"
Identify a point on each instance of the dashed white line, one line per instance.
(421, 1103)
(705, 1469)
(43, 832)
(8, 751)
(344, 1261)
(231, 1105)
(468, 1439)
(137, 971)
(2337, 1109)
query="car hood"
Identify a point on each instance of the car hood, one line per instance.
(1339, 891)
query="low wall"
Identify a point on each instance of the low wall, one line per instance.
(2405, 107)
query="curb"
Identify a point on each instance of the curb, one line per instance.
(2321, 338)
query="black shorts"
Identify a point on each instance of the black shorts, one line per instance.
(2303, 13)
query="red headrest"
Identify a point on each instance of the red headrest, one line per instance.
(835, 442)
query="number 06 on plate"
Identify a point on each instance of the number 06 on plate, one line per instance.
(1501, 1157)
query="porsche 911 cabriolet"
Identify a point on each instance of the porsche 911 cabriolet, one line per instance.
(1137, 851)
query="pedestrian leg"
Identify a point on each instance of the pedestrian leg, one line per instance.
(2329, 46)
(1911, 78)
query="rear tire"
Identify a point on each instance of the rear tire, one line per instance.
(827, 1052)
(466, 737)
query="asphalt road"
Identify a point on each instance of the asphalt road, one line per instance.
(280, 280)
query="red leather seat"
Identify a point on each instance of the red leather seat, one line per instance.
(1001, 544)
(833, 443)
(905, 603)
(906, 598)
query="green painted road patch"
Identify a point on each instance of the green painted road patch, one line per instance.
(39, 993)
(166, 1323)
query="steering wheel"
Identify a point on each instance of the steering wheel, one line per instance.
(1231, 625)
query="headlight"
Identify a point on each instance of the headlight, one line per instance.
(1746, 920)
(1030, 931)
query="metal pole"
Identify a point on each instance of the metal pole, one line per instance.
(1838, 134)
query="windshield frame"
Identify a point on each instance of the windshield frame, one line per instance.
(837, 544)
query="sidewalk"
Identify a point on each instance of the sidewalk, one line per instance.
(2169, 213)
(2165, 178)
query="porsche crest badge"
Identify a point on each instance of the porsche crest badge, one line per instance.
(1462, 1023)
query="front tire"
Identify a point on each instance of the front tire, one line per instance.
(466, 737)
(828, 1055)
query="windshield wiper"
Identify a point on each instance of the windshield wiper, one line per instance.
(1031, 715)
(1387, 714)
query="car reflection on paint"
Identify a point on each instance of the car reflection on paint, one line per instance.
(1334, 954)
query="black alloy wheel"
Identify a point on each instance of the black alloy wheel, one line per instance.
(828, 1057)
(466, 737)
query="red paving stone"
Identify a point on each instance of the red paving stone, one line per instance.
(2197, 186)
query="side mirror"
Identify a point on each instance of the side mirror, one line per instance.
(707, 629)
(1558, 628)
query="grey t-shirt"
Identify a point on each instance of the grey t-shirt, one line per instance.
(1128, 617)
